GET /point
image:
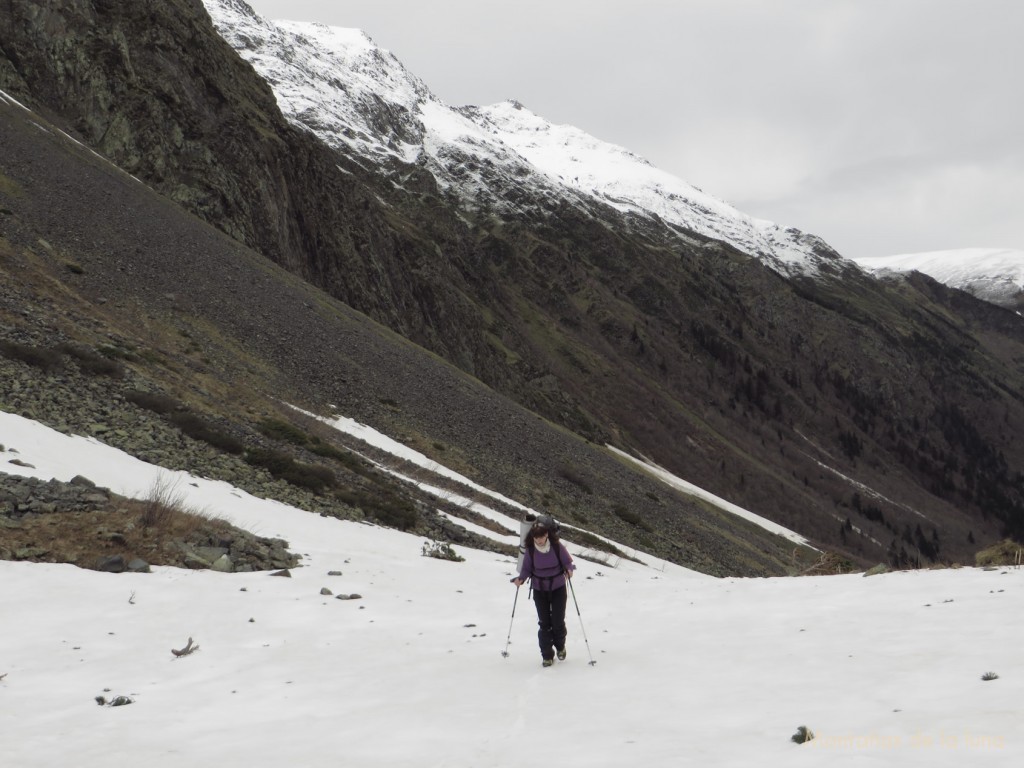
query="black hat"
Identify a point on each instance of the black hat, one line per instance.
(548, 522)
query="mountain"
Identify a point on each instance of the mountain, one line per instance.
(501, 160)
(460, 290)
(991, 274)
(129, 319)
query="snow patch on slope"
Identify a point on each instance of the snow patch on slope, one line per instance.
(669, 479)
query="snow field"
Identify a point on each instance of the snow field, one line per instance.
(690, 670)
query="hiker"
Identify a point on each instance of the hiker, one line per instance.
(547, 563)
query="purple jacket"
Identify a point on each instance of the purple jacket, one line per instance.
(547, 575)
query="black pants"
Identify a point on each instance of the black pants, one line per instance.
(551, 620)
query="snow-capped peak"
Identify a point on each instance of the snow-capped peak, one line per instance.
(993, 274)
(629, 183)
(333, 81)
(501, 159)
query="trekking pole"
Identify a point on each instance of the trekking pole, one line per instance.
(509, 640)
(585, 641)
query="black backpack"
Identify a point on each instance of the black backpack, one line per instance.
(550, 523)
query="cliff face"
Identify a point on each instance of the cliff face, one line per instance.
(155, 89)
(143, 83)
(852, 410)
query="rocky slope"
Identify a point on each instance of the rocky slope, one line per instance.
(126, 318)
(876, 419)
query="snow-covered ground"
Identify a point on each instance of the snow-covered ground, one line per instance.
(690, 670)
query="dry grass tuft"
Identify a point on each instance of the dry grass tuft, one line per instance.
(165, 508)
(1006, 552)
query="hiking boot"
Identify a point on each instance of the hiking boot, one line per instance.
(561, 654)
(547, 662)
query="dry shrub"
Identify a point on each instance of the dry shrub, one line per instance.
(153, 401)
(199, 429)
(1006, 552)
(93, 363)
(48, 360)
(313, 477)
(165, 508)
(576, 477)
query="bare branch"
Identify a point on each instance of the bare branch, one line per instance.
(186, 650)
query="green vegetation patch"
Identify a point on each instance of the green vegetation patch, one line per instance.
(631, 517)
(198, 428)
(157, 402)
(312, 477)
(384, 507)
(276, 429)
(51, 359)
(48, 360)
(92, 362)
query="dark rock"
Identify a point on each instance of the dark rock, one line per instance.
(112, 564)
(193, 561)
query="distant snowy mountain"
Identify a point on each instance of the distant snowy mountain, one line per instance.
(995, 275)
(500, 159)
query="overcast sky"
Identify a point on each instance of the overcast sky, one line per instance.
(884, 126)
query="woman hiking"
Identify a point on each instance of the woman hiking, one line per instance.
(547, 563)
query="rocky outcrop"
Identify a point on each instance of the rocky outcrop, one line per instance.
(76, 522)
(156, 90)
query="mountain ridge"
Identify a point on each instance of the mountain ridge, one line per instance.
(337, 83)
(872, 418)
(350, 63)
(995, 275)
